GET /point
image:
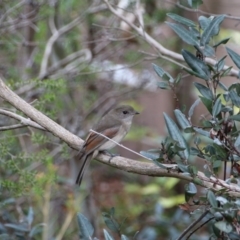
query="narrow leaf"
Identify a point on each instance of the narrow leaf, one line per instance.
(85, 227)
(204, 22)
(181, 20)
(235, 117)
(191, 110)
(223, 41)
(207, 103)
(111, 223)
(182, 120)
(176, 135)
(206, 92)
(161, 73)
(234, 56)
(107, 236)
(217, 107)
(183, 33)
(237, 143)
(211, 30)
(202, 132)
(235, 98)
(196, 65)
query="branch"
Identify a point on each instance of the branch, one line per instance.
(24, 121)
(38, 117)
(162, 50)
(129, 165)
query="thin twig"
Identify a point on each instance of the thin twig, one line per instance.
(192, 225)
(210, 219)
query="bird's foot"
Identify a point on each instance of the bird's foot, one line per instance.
(111, 155)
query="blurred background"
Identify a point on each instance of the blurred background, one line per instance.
(74, 60)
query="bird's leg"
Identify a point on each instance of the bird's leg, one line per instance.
(111, 155)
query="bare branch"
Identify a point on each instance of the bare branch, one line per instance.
(47, 123)
(24, 121)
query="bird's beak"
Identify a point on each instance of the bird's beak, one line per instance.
(137, 113)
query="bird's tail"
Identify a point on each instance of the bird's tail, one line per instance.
(84, 162)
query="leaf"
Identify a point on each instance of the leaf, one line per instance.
(223, 41)
(190, 189)
(208, 51)
(235, 98)
(235, 117)
(220, 64)
(161, 73)
(176, 135)
(237, 143)
(234, 56)
(181, 20)
(196, 65)
(107, 236)
(17, 227)
(204, 22)
(182, 120)
(111, 223)
(123, 237)
(217, 164)
(30, 216)
(163, 85)
(217, 107)
(36, 229)
(211, 30)
(225, 72)
(85, 227)
(212, 199)
(207, 103)
(202, 132)
(191, 110)
(183, 33)
(224, 226)
(206, 92)
(195, 3)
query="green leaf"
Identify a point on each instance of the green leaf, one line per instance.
(17, 227)
(235, 117)
(181, 20)
(85, 227)
(237, 143)
(123, 237)
(212, 199)
(206, 92)
(234, 56)
(202, 132)
(161, 73)
(226, 72)
(235, 98)
(107, 236)
(211, 30)
(220, 64)
(111, 223)
(183, 33)
(190, 189)
(195, 3)
(191, 110)
(224, 226)
(209, 51)
(217, 107)
(217, 164)
(207, 103)
(196, 65)
(223, 41)
(176, 135)
(182, 120)
(150, 155)
(163, 85)
(204, 22)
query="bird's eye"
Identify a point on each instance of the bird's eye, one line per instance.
(125, 112)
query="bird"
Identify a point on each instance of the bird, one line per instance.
(114, 125)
